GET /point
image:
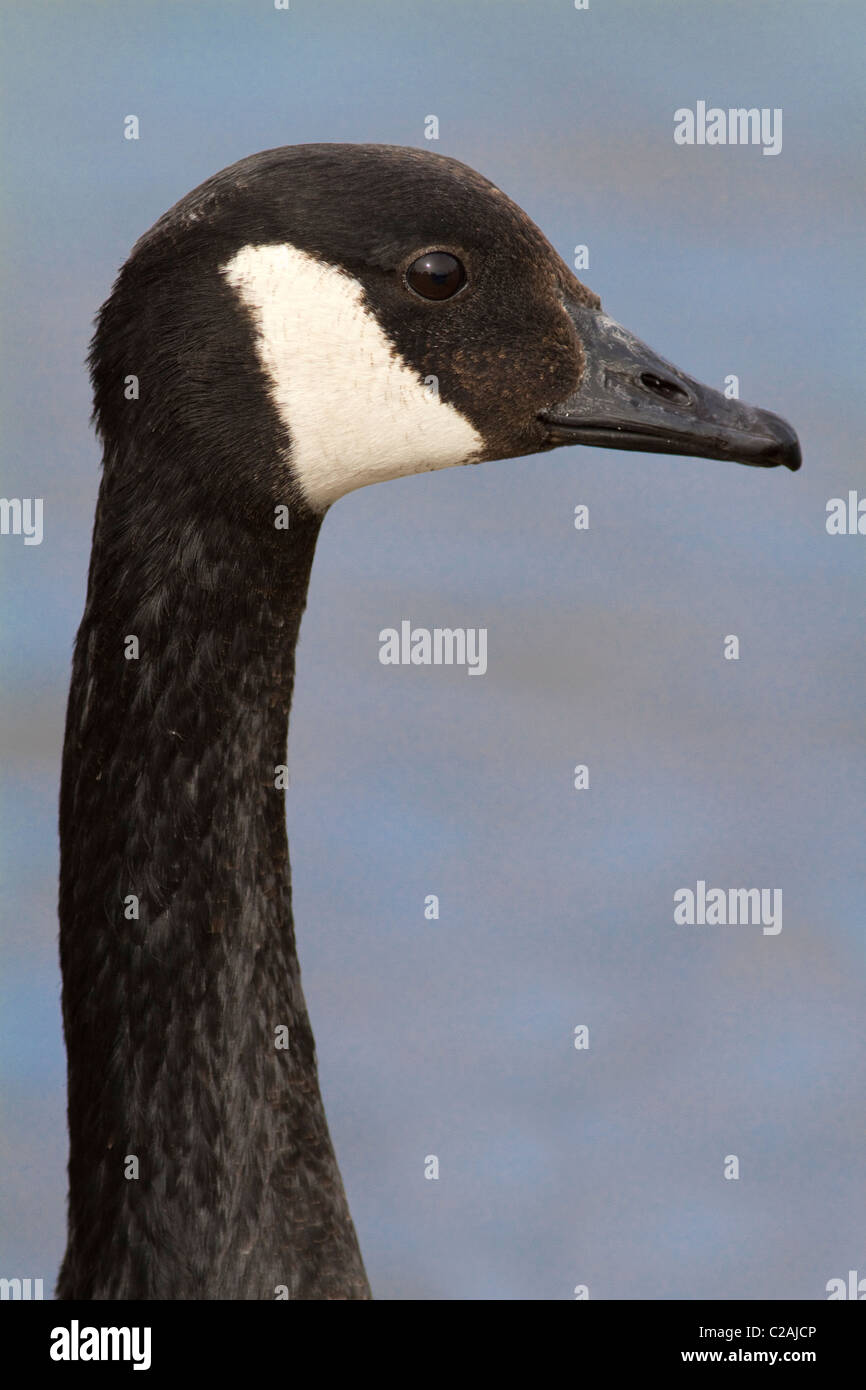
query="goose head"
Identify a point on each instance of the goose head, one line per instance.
(308, 321)
(404, 315)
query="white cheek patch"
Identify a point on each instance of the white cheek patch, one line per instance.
(355, 413)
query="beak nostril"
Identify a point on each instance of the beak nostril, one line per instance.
(662, 386)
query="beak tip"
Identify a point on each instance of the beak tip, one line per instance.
(630, 398)
(786, 449)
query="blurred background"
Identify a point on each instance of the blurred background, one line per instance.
(454, 1037)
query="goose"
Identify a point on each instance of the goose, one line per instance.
(308, 321)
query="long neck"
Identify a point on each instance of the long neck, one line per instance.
(200, 1160)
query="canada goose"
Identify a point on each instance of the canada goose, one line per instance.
(307, 321)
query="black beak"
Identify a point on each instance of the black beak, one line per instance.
(629, 398)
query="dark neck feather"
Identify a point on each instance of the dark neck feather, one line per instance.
(168, 794)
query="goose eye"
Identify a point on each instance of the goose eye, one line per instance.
(438, 275)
